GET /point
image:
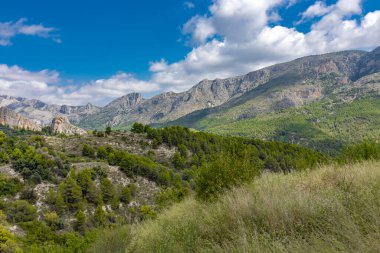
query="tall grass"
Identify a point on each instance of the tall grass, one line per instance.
(333, 209)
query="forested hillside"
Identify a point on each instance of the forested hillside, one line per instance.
(58, 191)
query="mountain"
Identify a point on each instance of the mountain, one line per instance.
(43, 112)
(14, 120)
(304, 76)
(368, 64)
(319, 101)
(302, 101)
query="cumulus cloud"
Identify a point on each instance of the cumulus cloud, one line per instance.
(238, 36)
(233, 38)
(44, 85)
(8, 30)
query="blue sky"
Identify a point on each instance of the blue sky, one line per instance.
(94, 51)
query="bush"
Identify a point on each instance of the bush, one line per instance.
(88, 151)
(223, 173)
(53, 221)
(21, 211)
(137, 128)
(126, 195)
(8, 242)
(360, 152)
(9, 186)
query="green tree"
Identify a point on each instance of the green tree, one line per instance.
(4, 158)
(85, 181)
(126, 195)
(108, 190)
(178, 161)
(72, 193)
(21, 211)
(60, 205)
(224, 172)
(99, 218)
(108, 130)
(88, 151)
(92, 195)
(137, 128)
(102, 152)
(53, 221)
(182, 149)
(80, 223)
(2, 137)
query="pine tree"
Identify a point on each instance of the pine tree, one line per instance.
(99, 216)
(80, 224)
(60, 205)
(108, 190)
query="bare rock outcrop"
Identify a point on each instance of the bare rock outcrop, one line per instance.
(62, 125)
(13, 120)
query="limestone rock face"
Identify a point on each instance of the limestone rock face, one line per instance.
(62, 125)
(14, 120)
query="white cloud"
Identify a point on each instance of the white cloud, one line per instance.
(238, 36)
(8, 30)
(316, 10)
(189, 5)
(43, 85)
(200, 28)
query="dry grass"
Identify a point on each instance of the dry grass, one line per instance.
(332, 209)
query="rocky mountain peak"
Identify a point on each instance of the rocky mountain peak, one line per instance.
(368, 64)
(62, 125)
(129, 101)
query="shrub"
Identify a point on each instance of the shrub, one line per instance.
(9, 186)
(223, 173)
(8, 242)
(21, 211)
(137, 128)
(88, 151)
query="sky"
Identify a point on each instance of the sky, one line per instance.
(93, 51)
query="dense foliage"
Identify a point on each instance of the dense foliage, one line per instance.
(325, 125)
(217, 163)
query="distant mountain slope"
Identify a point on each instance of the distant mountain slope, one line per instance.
(43, 112)
(13, 120)
(303, 77)
(213, 104)
(323, 111)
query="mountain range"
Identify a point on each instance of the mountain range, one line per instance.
(288, 101)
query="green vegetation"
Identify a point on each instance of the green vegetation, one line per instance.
(326, 125)
(332, 209)
(59, 193)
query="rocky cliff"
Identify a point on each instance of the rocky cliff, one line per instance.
(14, 120)
(44, 113)
(62, 125)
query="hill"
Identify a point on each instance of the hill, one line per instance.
(326, 210)
(318, 101)
(57, 191)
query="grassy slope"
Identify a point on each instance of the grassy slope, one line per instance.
(317, 125)
(327, 210)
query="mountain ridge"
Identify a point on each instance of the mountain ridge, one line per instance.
(274, 88)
